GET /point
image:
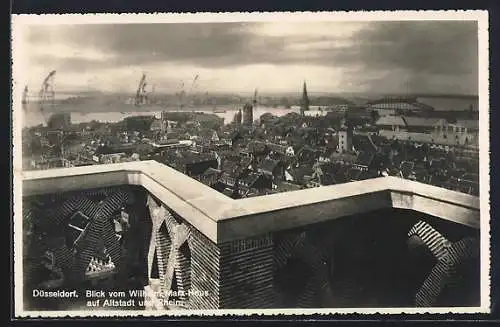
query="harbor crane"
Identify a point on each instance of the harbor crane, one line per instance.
(184, 95)
(195, 79)
(46, 95)
(46, 99)
(191, 88)
(141, 95)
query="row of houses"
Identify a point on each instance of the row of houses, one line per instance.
(262, 167)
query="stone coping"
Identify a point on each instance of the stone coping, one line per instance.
(223, 219)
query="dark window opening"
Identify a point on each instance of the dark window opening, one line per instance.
(293, 277)
(155, 271)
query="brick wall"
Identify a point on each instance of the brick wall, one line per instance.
(236, 274)
(246, 273)
(205, 261)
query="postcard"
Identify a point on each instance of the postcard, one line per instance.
(242, 163)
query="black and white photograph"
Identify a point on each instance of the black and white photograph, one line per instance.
(298, 163)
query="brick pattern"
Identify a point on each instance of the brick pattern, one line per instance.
(99, 206)
(163, 244)
(246, 273)
(451, 257)
(168, 239)
(64, 259)
(284, 247)
(67, 204)
(436, 242)
(183, 254)
(205, 272)
(317, 289)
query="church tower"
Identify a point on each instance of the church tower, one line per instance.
(304, 103)
(345, 134)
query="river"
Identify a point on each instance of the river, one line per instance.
(35, 117)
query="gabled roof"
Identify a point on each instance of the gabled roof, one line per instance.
(269, 165)
(298, 173)
(390, 121)
(365, 158)
(421, 121)
(211, 171)
(229, 165)
(363, 143)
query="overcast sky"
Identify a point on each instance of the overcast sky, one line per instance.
(375, 57)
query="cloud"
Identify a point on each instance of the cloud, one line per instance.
(413, 56)
(204, 45)
(429, 46)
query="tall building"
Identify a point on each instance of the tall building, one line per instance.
(248, 114)
(304, 103)
(59, 121)
(237, 118)
(345, 139)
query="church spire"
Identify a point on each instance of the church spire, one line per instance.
(304, 105)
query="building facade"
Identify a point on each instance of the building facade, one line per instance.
(345, 139)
